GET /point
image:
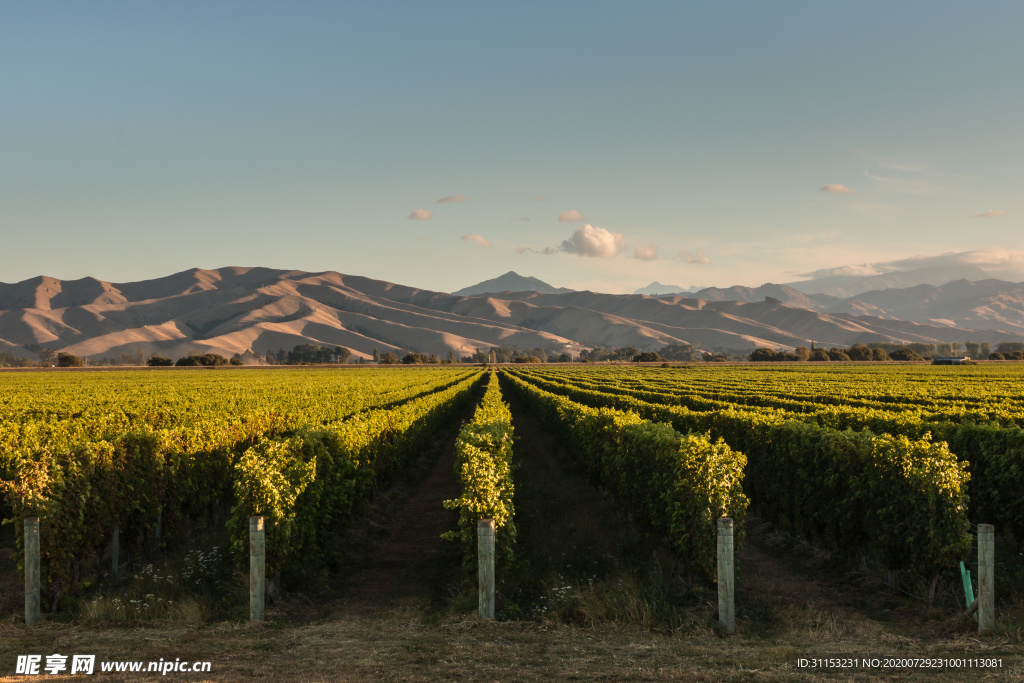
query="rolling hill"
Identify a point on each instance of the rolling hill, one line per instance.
(232, 310)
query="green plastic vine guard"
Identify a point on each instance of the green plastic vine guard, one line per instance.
(965, 575)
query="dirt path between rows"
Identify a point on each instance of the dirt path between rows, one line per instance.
(395, 555)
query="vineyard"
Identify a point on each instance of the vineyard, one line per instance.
(888, 468)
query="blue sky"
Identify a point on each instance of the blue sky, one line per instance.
(694, 139)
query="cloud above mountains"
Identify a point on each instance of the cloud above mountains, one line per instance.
(996, 261)
(421, 215)
(452, 199)
(645, 253)
(570, 216)
(479, 239)
(697, 259)
(836, 187)
(594, 242)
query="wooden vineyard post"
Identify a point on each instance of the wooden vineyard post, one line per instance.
(31, 570)
(115, 549)
(257, 568)
(726, 582)
(986, 578)
(485, 562)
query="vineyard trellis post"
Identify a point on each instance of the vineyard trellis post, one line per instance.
(986, 578)
(726, 578)
(257, 569)
(485, 562)
(31, 570)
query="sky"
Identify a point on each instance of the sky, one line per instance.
(599, 145)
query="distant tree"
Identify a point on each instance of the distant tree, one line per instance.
(984, 350)
(995, 355)
(802, 353)
(68, 360)
(837, 354)
(389, 358)
(921, 349)
(565, 358)
(859, 352)
(715, 357)
(527, 359)
(625, 353)
(1005, 347)
(376, 354)
(1014, 355)
(680, 352)
(905, 354)
(47, 357)
(204, 360)
(237, 359)
(786, 356)
(819, 355)
(763, 354)
(595, 355)
(972, 349)
(9, 360)
(879, 354)
(647, 357)
(159, 361)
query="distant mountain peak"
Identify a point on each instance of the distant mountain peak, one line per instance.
(511, 282)
(658, 289)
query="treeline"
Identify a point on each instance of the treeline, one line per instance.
(309, 354)
(303, 354)
(881, 351)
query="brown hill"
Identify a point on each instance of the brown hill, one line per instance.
(231, 310)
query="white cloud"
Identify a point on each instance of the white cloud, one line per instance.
(595, 242)
(836, 187)
(570, 216)
(698, 259)
(421, 215)
(645, 253)
(990, 214)
(997, 261)
(531, 250)
(862, 270)
(452, 199)
(478, 239)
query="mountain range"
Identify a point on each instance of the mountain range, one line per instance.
(233, 310)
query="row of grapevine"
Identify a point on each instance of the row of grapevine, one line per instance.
(483, 468)
(900, 500)
(992, 451)
(303, 473)
(305, 485)
(677, 484)
(57, 410)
